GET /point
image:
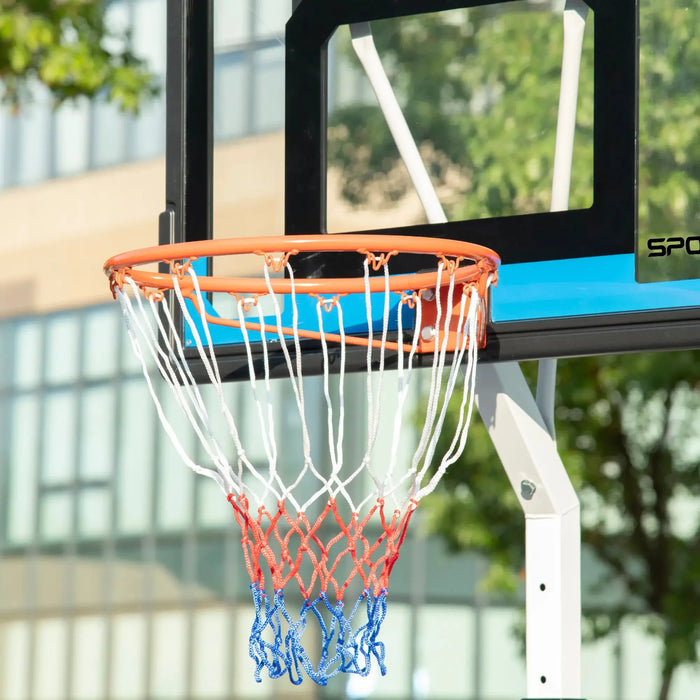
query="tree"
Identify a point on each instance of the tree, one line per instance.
(625, 424)
(626, 433)
(66, 45)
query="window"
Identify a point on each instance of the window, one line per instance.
(40, 142)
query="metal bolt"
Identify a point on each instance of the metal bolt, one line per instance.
(527, 489)
(427, 295)
(427, 333)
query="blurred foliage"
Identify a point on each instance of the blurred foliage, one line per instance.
(66, 45)
(669, 134)
(480, 91)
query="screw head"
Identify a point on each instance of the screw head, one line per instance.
(427, 333)
(527, 489)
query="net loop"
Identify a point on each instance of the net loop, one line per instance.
(377, 262)
(450, 264)
(247, 301)
(181, 269)
(409, 299)
(326, 303)
(276, 263)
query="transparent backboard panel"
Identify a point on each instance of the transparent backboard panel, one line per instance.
(302, 146)
(669, 141)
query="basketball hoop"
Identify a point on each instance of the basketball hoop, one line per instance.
(333, 531)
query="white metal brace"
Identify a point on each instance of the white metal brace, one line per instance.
(521, 431)
(552, 530)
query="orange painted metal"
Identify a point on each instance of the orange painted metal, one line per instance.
(471, 264)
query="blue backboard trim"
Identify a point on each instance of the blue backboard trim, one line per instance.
(584, 287)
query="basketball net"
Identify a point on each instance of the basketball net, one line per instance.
(330, 534)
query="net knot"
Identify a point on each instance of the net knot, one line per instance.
(377, 261)
(248, 301)
(410, 299)
(450, 264)
(325, 303)
(181, 269)
(276, 262)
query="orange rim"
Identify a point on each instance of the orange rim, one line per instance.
(481, 262)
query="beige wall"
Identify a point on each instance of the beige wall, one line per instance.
(56, 235)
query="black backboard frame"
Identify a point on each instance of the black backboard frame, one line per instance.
(534, 237)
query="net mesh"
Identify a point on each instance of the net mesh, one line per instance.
(331, 531)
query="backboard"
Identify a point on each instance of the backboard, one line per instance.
(617, 271)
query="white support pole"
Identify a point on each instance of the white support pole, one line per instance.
(575, 13)
(363, 44)
(552, 530)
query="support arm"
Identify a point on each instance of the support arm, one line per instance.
(552, 530)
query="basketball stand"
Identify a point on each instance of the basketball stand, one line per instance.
(520, 425)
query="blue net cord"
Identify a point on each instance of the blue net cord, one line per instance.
(342, 648)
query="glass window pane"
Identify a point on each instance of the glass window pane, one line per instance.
(175, 480)
(71, 144)
(94, 512)
(97, 432)
(269, 89)
(148, 140)
(231, 22)
(6, 338)
(396, 634)
(89, 657)
(230, 96)
(50, 659)
(13, 679)
(169, 665)
(211, 652)
(59, 453)
(109, 143)
(501, 650)
(56, 516)
(4, 151)
(213, 508)
(598, 669)
(128, 654)
(148, 33)
(62, 348)
(27, 353)
(101, 337)
(450, 629)
(34, 138)
(686, 682)
(130, 363)
(642, 654)
(135, 465)
(271, 16)
(24, 445)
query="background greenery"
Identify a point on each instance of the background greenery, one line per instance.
(65, 45)
(480, 91)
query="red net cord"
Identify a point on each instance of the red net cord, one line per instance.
(276, 545)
